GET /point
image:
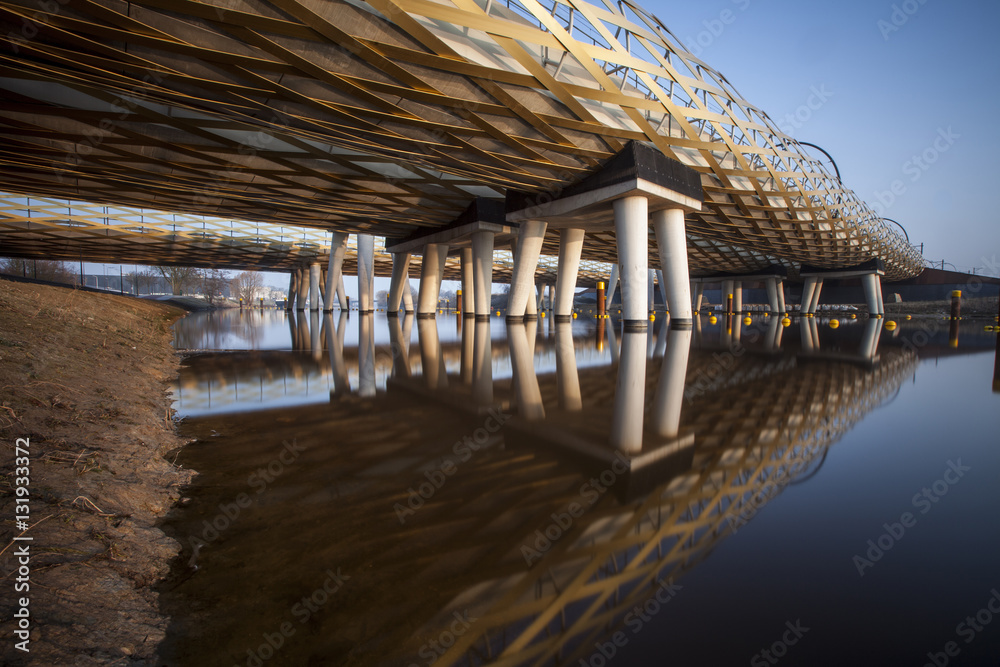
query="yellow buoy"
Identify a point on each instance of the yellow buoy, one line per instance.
(542, 313)
(853, 316)
(574, 316)
(890, 325)
(652, 316)
(747, 320)
(498, 312)
(988, 328)
(713, 319)
(908, 317)
(834, 324)
(785, 322)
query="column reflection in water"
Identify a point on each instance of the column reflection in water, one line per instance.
(301, 331)
(399, 348)
(335, 348)
(468, 351)
(293, 337)
(430, 354)
(529, 396)
(870, 338)
(609, 334)
(661, 338)
(315, 343)
(567, 377)
(666, 417)
(774, 330)
(482, 364)
(366, 355)
(809, 331)
(630, 392)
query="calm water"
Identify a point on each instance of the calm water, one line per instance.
(417, 492)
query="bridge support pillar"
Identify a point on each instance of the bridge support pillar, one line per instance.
(808, 289)
(322, 286)
(407, 298)
(431, 271)
(549, 299)
(609, 294)
(873, 294)
(663, 289)
(738, 296)
(314, 272)
(399, 281)
(335, 268)
(699, 296)
(672, 244)
(468, 301)
(651, 290)
(482, 273)
(345, 303)
(531, 307)
(522, 288)
(302, 288)
(570, 249)
(632, 232)
(772, 294)
(782, 307)
(366, 273)
(290, 301)
(814, 306)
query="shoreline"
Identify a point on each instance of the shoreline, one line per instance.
(84, 377)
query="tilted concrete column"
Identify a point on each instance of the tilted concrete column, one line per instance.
(570, 249)
(672, 244)
(878, 295)
(808, 289)
(468, 284)
(482, 272)
(399, 282)
(366, 273)
(870, 283)
(549, 301)
(431, 271)
(314, 272)
(663, 289)
(302, 287)
(345, 303)
(772, 294)
(335, 268)
(290, 301)
(522, 288)
(780, 285)
(632, 232)
(651, 289)
(609, 295)
(814, 305)
(322, 285)
(531, 307)
(737, 296)
(699, 291)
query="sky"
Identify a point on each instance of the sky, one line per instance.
(903, 94)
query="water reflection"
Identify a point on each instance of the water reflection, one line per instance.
(622, 461)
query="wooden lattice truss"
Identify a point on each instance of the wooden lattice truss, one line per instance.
(388, 116)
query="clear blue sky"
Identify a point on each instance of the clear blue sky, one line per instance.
(890, 94)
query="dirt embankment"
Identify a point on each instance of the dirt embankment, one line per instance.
(83, 377)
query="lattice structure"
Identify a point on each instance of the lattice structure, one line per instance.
(389, 115)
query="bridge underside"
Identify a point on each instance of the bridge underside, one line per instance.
(390, 116)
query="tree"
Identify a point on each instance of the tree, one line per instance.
(382, 298)
(247, 286)
(39, 269)
(212, 282)
(179, 277)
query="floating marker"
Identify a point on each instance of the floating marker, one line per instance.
(834, 324)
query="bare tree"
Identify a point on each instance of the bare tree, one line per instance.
(247, 285)
(39, 269)
(179, 277)
(213, 281)
(382, 298)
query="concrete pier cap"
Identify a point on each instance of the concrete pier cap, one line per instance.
(637, 188)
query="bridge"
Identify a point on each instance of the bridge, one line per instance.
(448, 129)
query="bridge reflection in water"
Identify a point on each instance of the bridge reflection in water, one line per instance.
(495, 501)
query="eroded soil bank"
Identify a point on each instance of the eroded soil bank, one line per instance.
(83, 377)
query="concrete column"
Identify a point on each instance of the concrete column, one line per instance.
(666, 413)
(314, 272)
(672, 244)
(567, 377)
(868, 281)
(612, 284)
(814, 306)
(549, 301)
(407, 296)
(302, 288)
(699, 291)
(345, 303)
(322, 285)
(738, 296)
(431, 272)
(772, 294)
(630, 387)
(482, 365)
(780, 285)
(808, 289)
(651, 290)
(289, 302)
(663, 289)
(632, 232)
(482, 272)
(399, 281)
(335, 267)
(522, 287)
(366, 273)
(878, 295)
(529, 396)
(727, 290)
(570, 248)
(468, 284)
(540, 302)
(531, 306)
